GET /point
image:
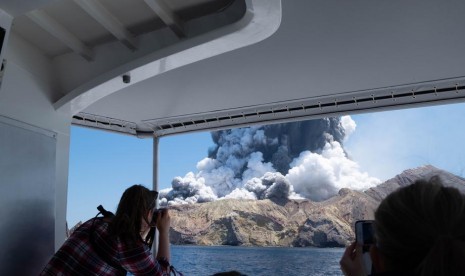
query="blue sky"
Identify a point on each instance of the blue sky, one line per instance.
(386, 143)
(104, 164)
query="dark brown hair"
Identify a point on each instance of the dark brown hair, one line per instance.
(421, 228)
(134, 205)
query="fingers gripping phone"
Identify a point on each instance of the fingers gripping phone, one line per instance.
(364, 236)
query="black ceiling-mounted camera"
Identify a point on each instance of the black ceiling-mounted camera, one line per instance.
(126, 78)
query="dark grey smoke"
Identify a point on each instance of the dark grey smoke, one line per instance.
(286, 141)
(276, 162)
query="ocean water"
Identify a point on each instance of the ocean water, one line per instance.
(269, 261)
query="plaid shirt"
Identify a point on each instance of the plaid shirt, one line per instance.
(77, 256)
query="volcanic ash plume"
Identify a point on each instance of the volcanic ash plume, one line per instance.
(292, 160)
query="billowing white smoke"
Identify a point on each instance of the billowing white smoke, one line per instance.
(320, 176)
(270, 162)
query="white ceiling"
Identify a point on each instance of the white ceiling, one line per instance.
(328, 57)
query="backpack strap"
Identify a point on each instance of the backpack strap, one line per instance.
(172, 271)
(97, 249)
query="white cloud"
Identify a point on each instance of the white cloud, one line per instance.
(320, 176)
(349, 125)
(256, 167)
(241, 193)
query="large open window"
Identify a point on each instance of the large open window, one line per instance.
(269, 200)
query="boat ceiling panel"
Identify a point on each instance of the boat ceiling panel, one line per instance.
(78, 22)
(323, 52)
(136, 15)
(187, 10)
(326, 58)
(16, 7)
(35, 35)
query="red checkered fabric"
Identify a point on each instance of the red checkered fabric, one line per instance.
(78, 256)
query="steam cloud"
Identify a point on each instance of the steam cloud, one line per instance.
(292, 160)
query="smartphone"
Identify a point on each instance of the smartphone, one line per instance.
(364, 236)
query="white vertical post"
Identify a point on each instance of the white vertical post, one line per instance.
(155, 186)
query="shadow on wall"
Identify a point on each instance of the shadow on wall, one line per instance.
(25, 238)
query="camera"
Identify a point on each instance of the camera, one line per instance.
(364, 236)
(126, 78)
(155, 215)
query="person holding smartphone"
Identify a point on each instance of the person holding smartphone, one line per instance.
(419, 230)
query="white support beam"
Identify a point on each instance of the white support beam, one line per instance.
(168, 16)
(108, 21)
(155, 187)
(61, 33)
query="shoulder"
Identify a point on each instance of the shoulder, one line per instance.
(93, 221)
(95, 226)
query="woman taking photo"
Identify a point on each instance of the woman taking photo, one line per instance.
(115, 245)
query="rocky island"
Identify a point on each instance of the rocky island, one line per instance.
(289, 223)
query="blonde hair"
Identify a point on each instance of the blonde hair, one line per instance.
(421, 228)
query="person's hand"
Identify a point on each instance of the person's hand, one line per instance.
(163, 220)
(351, 262)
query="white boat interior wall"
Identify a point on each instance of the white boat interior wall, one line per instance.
(151, 68)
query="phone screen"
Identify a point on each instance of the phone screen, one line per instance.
(364, 236)
(364, 232)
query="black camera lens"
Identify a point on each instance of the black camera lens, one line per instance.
(155, 216)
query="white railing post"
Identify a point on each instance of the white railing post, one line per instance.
(155, 186)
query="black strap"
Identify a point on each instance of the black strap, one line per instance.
(96, 247)
(150, 237)
(105, 213)
(173, 271)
